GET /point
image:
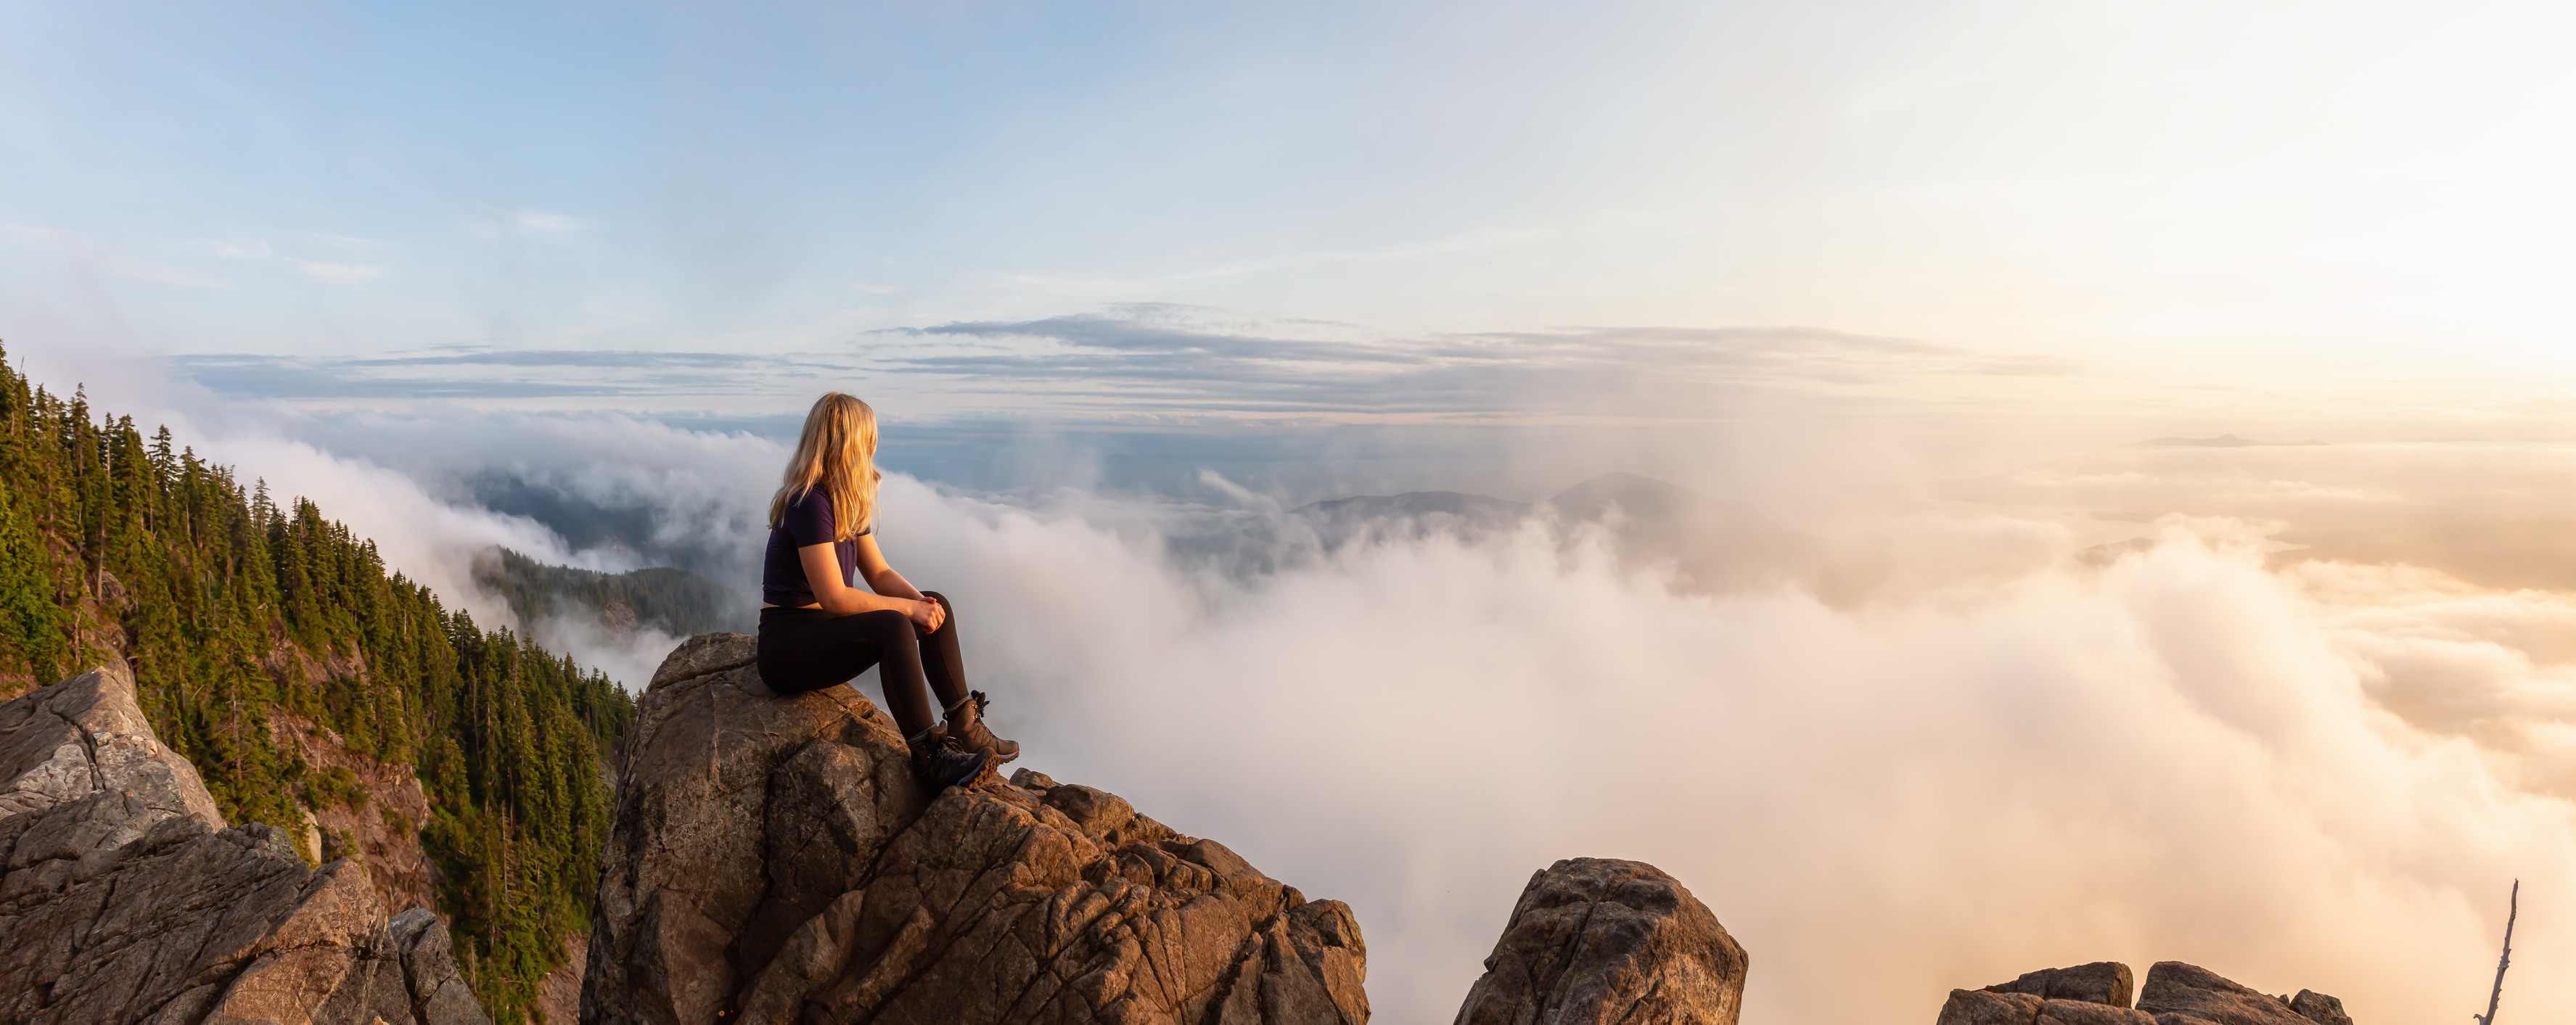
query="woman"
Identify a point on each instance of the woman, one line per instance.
(817, 629)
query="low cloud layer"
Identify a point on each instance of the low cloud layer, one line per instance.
(2181, 755)
(2088, 708)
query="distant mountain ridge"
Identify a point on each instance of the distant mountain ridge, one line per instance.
(665, 598)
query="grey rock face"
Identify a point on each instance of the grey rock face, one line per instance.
(127, 900)
(2102, 982)
(773, 861)
(1601, 940)
(702, 655)
(80, 771)
(438, 992)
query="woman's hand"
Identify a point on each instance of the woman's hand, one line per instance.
(927, 615)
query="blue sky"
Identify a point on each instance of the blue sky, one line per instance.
(703, 208)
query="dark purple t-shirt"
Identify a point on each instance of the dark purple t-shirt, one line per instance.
(808, 522)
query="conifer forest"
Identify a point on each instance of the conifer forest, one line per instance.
(232, 605)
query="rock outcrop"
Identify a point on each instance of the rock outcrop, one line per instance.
(1601, 940)
(772, 860)
(83, 772)
(2102, 982)
(381, 831)
(559, 991)
(1985, 1007)
(2320, 1008)
(126, 899)
(2182, 994)
(2098, 994)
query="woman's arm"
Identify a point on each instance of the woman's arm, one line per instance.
(880, 576)
(823, 574)
(882, 579)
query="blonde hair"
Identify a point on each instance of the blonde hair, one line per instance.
(837, 454)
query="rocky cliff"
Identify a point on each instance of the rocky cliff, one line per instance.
(126, 899)
(772, 860)
(375, 820)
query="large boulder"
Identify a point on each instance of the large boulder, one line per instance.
(2183, 994)
(2101, 982)
(126, 899)
(773, 860)
(1602, 940)
(80, 771)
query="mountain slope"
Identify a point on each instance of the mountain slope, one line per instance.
(236, 614)
(672, 600)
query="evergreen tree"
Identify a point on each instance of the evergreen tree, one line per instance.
(224, 604)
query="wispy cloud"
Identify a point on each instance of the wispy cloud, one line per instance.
(538, 225)
(1170, 357)
(496, 374)
(333, 272)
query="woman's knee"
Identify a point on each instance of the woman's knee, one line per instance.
(882, 625)
(948, 612)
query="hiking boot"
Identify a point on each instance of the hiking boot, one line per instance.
(966, 732)
(939, 766)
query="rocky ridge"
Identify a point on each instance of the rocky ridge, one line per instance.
(2098, 994)
(127, 899)
(772, 860)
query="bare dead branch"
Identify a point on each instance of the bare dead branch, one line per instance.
(2513, 907)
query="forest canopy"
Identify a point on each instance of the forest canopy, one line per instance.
(232, 607)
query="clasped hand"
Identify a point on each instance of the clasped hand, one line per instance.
(927, 615)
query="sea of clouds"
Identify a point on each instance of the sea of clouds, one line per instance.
(2005, 749)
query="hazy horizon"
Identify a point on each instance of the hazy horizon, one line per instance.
(1954, 679)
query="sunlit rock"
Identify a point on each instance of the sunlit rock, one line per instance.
(1602, 940)
(774, 861)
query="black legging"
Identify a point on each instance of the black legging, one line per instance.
(810, 649)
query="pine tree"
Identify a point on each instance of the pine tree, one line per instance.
(220, 597)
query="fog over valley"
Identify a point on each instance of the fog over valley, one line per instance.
(1945, 701)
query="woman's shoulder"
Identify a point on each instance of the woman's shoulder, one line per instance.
(808, 513)
(814, 510)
